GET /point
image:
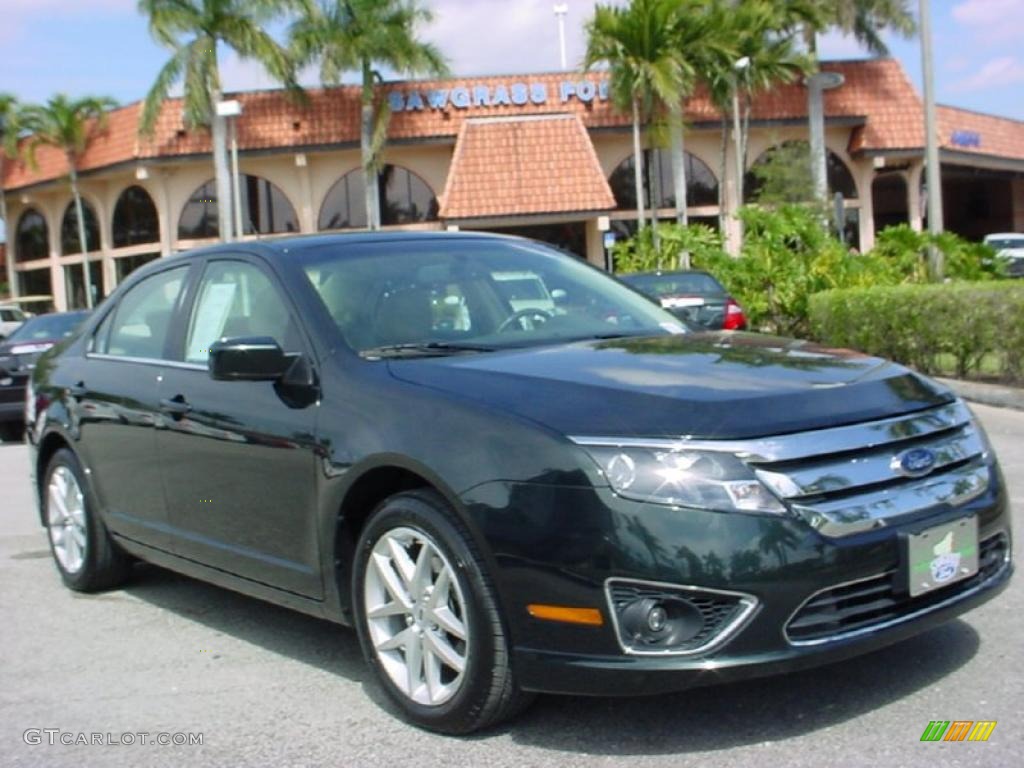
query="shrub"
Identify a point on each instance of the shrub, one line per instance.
(965, 329)
(789, 255)
(638, 254)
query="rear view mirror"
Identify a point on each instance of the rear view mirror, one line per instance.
(254, 358)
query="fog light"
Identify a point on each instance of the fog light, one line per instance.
(655, 623)
(656, 619)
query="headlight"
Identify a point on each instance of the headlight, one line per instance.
(682, 477)
(30, 404)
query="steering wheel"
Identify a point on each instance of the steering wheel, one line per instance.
(523, 314)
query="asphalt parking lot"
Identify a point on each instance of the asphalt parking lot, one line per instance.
(265, 686)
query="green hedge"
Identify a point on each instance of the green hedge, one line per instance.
(969, 330)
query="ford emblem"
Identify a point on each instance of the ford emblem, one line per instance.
(915, 462)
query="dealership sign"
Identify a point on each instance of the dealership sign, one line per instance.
(517, 93)
(965, 139)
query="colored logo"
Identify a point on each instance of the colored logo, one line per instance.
(958, 730)
(915, 462)
(946, 562)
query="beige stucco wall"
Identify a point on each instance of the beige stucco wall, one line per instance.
(306, 177)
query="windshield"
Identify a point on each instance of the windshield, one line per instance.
(450, 292)
(1006, 242)
(676, 284)
(46, 327)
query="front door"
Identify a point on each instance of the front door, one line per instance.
(238, 458)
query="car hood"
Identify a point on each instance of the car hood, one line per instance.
(711, 385)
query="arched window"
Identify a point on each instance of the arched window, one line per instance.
(701, 184)
(404, 198)
(69, 242)
(788, 168)
(32, 237)
(135, 220)
(265, 210)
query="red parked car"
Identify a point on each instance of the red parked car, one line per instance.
(693, 296)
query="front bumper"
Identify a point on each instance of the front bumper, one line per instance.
(557, 545)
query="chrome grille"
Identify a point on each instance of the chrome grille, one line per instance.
(841, 487)
(864, 605)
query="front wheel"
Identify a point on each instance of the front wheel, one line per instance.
(428, 619)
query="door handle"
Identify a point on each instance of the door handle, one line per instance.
(176, 406)
(77, 391)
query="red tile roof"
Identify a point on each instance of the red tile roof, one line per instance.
(506, 167)
(877, 91)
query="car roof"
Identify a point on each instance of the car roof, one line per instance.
(291, 243)
(669, 274)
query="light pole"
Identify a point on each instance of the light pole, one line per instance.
(933, 172)
(561, 9)
(233, 109)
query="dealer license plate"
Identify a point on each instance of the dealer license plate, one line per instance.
(942, 555)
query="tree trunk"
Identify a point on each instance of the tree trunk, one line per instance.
(371, 181)
(816, 120)
(638, 167)
(221, 172)
(722, 170)
(678, 150)
(82, 244)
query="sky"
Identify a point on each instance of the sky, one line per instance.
(102, 47)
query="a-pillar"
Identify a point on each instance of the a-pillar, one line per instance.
(866, 196)
(1017, 201)
(595, 244)
(914, 200)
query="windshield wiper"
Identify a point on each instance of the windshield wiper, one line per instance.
(414, 349)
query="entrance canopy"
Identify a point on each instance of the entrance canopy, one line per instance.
(516, 166)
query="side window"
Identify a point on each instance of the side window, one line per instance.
(139, 325)
(237, 299)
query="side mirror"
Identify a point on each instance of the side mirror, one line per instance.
(252, 358)
(559, 295)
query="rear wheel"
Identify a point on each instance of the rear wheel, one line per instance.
(86, 556)
(428, 620)
(11, 431)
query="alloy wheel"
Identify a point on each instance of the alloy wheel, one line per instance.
(416, 616)
(65, 505)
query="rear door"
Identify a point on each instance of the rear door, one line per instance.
(117, 395)
(238, 459)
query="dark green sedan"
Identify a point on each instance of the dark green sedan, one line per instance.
(575, 496)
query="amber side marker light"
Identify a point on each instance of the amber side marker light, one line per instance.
(589, 616)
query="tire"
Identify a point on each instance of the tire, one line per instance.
(11, 431)
(442, 698)
(85, 555)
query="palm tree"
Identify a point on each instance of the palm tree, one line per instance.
(654, 50)
(637, 43)
(865, 20)
(362, 36)
(192, 30)
(68, 125)
(762, 35)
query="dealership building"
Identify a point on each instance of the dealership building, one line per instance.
(541, 155)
